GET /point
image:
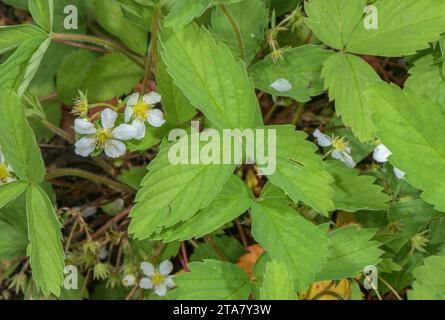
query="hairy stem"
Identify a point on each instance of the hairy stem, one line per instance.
(153, 48)
(235, 29)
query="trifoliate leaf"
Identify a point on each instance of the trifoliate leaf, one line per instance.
(299, 171)
(333, 21)
(12, 36)
(404, 27)
(347, 77)
(212, 280)
(412, 128)
(210, 77)
(427, 79)
(277, 283)
(17, 140)
(172, 193)
(12, 242)
(300, 69)
(234, 199)
(177, 108)
(45, 248)
(351, 250)
(42, 12)
(430, 280)
(11, 191)
(184, 11)
(110, 76)
(355, 192)
(290, 239)
(251, 27)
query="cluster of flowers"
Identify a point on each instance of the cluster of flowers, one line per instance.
(157, 279)
(104, 135)
(341, 151)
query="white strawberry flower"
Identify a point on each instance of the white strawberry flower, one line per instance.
(158, 279)
(341, 151)
(141, 110)
(6, 171)
(105, 137)
(381, 154)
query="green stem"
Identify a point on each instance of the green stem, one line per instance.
(151, 58)
(110, 45)
(235, 29)
(298, 113)
(60, 132)
(115, 185)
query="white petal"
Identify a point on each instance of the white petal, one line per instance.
(322, 139)
(145, 283)
(85, 146)
(129, 280)
(169, 282)
(166, 267)
(156, 118)
(124, 132)
(108, 118)
(140, 128)
(152, 98)
(11, 169)
(161, 289)
(381, 153)
(2, 157)
(133, 99)
(115, 149)
(83, 126)
(345, 158)
(399, 173)
(281, 85)
(128, 114)
(147, 268)
(103, 253)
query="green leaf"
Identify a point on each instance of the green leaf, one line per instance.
(277, 283)
(133, 176)
(351, 250)
(333, 21)
(301, 67)
(234, 199)
(412, 128)
(18, 70)
(12, 36)
(347, 77)
(172, 193)
(72, 73)
(210, 77)
(230, 248)
(404, 27)
(251, 26)
(212, 280)
(17, 140)
(430, 280)
(12, 242)
(45, 248)
(184, 11)
(354, 192)
(110, 16)
(176, 106)
(299, 171)
(11, 191)
(110, 76)
(427, 79)
(42, 12)
(290, 239)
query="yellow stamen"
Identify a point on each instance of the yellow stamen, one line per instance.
(158, 278)
(102, 136)
(339, 144)
(80, 107)
(141, 109)
(4, 172)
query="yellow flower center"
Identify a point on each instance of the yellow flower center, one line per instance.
(4, 172)
(102, 136)
(141, 109)
(158, 278)
(339, 144)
